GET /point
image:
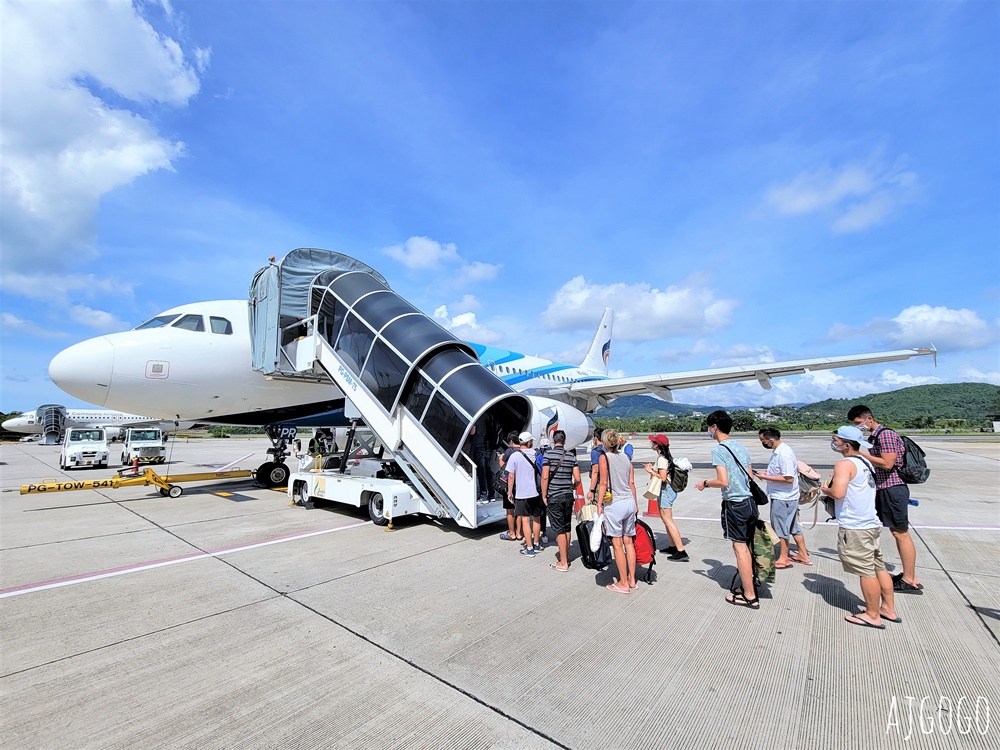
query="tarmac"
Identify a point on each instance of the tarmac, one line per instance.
(227, 618)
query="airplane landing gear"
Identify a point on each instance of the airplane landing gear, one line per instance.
(275, 473)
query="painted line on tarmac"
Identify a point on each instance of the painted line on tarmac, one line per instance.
(912, 525)
(83, 578)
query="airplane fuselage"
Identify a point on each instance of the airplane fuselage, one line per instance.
(203, 371)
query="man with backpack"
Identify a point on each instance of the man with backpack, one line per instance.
(892, 496)
(522, 486)
(560, 474)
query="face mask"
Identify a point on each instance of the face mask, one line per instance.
(833, 446)
(709, 433)
(864, 426)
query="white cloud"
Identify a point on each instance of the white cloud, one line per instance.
(468, 303)
(743, 354)
(808, 388)
(56, 288)
(852, 198)
(979, 376)
(97, 319)
(10, 322)
(920, 325)
(478, 271)
(65, 144)
(466, 327)
(641, 312)
(423, 253)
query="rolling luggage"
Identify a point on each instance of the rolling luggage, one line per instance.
(593, 560)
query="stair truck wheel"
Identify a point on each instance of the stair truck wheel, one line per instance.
(375, 509)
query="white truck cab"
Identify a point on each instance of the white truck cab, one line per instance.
(144, 444)
(84, 447)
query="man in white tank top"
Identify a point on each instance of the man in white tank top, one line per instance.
(852, 488)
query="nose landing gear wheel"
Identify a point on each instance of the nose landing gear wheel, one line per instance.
(272, 474)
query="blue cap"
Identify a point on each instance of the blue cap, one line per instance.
(852, 433)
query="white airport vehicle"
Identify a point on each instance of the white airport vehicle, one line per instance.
(49, 421)
(84, 447)
(30, 439)
(255, 363)
(145, 445)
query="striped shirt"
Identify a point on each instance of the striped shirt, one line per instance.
(560, 482)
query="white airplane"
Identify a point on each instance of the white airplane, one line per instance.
(113, 422)
(193, 362)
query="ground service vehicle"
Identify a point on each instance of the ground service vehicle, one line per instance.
(84, 447)
(144, 444)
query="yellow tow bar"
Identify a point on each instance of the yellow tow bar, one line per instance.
(167, 484)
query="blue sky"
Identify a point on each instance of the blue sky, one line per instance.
(742, 182)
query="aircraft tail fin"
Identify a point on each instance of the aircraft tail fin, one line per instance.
(600, 347)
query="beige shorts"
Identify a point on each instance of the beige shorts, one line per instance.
(860, 552)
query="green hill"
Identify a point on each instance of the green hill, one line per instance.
(971, 401)
(916, 407)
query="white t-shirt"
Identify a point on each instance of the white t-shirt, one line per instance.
(523, 469)
(783, 464)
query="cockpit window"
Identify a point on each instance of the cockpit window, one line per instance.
(191, 323)
(158, 322)
(220, 325)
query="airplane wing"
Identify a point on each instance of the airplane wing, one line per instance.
(664, 385)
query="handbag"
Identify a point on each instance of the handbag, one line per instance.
(653, 488)
(759, 496)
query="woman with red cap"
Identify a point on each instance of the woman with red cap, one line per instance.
(664, 469)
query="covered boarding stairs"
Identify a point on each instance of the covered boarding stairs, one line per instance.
(317, 314)
(52, 418)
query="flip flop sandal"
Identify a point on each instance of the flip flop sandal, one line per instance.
(556, 567)
(884, 617)
(800, 562)
(864, 623)
(614, 587)
(784, 567)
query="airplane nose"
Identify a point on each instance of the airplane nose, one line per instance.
(11, 425)
(84, 370)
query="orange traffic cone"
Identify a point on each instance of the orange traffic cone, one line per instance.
(135, 465)
(578, 498)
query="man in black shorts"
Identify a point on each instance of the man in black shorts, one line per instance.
(511, 534)
(560, 474)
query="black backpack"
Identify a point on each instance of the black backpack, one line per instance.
(914, 469)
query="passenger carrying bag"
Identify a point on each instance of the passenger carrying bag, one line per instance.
(759, 496)
(914, 468)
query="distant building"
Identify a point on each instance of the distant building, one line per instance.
(995, 418)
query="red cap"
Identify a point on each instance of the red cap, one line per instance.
(659, 439)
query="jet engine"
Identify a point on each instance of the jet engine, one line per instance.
(548, 415)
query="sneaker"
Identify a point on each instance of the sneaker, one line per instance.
(669, 550)
(528, 552)
(679, 555)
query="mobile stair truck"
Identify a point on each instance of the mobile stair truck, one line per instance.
(326, 317)
(144, 445)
